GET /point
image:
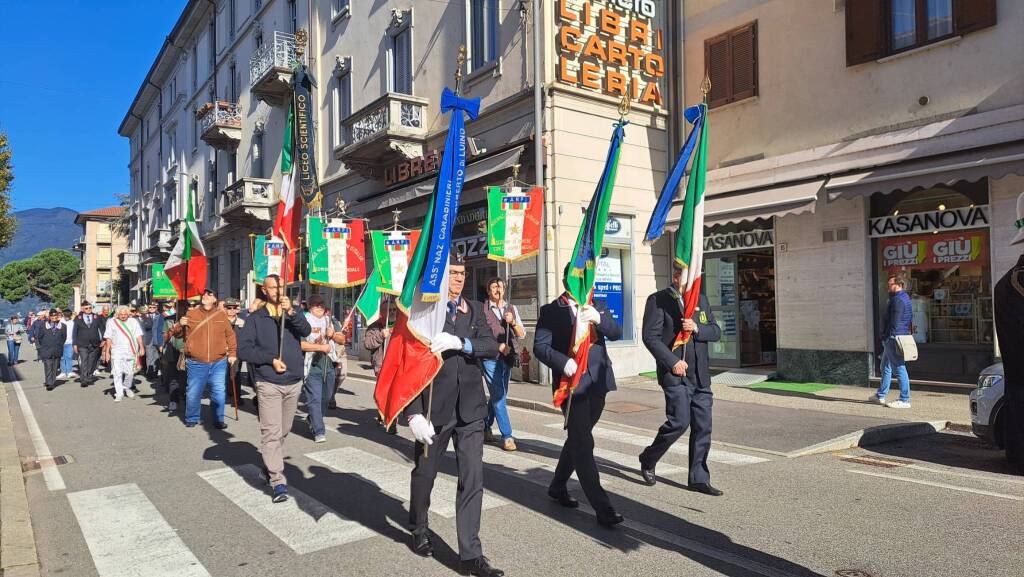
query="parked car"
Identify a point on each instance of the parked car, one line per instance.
(987, 414)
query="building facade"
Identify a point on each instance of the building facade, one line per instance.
(815, 144)
(101, 248)
(850, 141)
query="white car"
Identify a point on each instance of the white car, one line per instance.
(987, 414)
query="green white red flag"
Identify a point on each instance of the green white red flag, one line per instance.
(513, 222)
(288, 220)
(392, 251)
(337, 252)
(186, 267)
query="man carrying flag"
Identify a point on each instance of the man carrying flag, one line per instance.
(678, 342)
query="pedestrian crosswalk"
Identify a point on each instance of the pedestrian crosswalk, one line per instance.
(128, 536)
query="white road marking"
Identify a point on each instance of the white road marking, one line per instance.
(52, 476)
(619, 460)
(951, 472)
(393, 478)
(939, 485)
(303, 523)
(128, 537)
(679, 448)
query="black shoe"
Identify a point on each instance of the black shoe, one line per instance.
(479, 566)
(609, 519)
(421, 544)
(85, 384)
(393, 429)
(221, 425)
(190, 425)
(706, 489)
(49, 388)
(332, 405)
(564, 499)
(648, 474)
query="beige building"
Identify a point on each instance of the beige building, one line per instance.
(100, 249)
(849, 141)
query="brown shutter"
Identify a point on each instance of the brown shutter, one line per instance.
(974, 15)
(865, 31)
(744, 61)
(716, 64)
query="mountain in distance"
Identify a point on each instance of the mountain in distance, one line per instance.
(38, 229)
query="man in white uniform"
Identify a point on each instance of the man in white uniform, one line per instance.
(122, 347)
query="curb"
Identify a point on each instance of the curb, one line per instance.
(872, 436)
(18, 556)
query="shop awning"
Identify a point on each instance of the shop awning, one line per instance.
(474, 170)
(793, 198)
(970, 165)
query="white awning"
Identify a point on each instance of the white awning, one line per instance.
(968, 165)
(793, 198)
(474, 170)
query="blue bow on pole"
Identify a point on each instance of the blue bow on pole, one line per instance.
(656, 227)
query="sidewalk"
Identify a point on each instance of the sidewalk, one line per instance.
(18, 556)
(780, 422)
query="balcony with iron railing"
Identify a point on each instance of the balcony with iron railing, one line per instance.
(130, 261)
(390, 129)
(220, 124)
(79, 245)
(248, 202)
(270, 69)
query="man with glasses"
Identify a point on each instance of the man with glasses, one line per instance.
(209, 350)
(277, 366)
(51, 345)
(89, 329)
(232, 306)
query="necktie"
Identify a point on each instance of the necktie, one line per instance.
(452, 307)
(88, 319)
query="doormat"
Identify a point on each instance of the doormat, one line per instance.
(792, 387)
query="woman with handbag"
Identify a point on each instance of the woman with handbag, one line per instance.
(503, 320)
(15, 332)
(896, 342)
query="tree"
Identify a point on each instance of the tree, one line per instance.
(122, 225)
(8, 224)
(50, 275)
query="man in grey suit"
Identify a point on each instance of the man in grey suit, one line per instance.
(685, 378)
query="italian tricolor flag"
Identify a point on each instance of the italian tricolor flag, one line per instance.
(288, 221)
(186, 267)
(689, 252)
(513, 222)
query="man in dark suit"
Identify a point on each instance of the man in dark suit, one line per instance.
(552, 345)
(88, 339)
(685, 378)
(50, 338)
(457, 410)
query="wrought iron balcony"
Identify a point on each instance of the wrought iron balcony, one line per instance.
(130, 261)
(270, 69)
(391, 129)
(248, 202)
(79, 245)
(220, 124)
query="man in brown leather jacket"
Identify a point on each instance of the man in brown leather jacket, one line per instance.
(210, 347)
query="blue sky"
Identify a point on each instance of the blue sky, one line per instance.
(69, 72)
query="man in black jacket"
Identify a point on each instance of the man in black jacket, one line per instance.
(51, 337)
(457, 410)
(278, 371)
(552, 345)
(684, 377)
(88, 339)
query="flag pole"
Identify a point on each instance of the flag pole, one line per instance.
(705, 89)
(234, 386)
(284, 289)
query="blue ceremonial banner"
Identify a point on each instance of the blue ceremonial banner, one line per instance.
(447, 192)
(656, 227)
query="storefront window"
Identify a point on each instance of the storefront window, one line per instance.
(613, 282)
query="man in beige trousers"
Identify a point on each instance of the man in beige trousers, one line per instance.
(278, 372)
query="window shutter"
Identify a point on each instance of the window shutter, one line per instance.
(716, 65)
(972, 15)
(865, 31)
(744, 62)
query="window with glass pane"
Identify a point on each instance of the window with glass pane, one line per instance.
(340, 6)
(401, 59)
(257, 155)
(904, 23)
(613, 279)
(344, 104)
(484, 31)
(940, 18)
(103, 257)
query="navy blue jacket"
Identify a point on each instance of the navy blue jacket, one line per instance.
(553, 341)
(898, 315)
(663, 320)
(51, 341)
(258, 346)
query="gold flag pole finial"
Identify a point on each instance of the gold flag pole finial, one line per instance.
(624, 107)
(395, 217)
(301, 37)
(460, 61)
(341, 206)
(705, 87)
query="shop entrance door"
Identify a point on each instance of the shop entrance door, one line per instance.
(741, 290)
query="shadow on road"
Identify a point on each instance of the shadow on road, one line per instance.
(951, 450)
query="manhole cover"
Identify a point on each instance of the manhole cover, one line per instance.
(626, 407)
(32, 464)
(852, 573)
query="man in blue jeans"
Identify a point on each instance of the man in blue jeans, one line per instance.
(209, 349)
(319, 382)
(504, 322)
(898, 315)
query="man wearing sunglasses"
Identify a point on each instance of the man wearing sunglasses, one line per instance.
(88, 338)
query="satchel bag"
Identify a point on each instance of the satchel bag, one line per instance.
(907, 347)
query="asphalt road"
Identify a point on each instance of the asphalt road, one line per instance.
(144, 496)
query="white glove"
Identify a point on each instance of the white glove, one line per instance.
(570, 368)
(589, 314)
(422, 429)
(445, 342)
